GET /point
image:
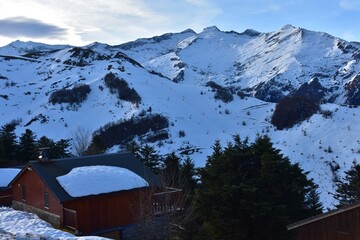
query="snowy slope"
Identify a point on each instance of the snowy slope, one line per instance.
(20, 48)
(265, 65)
(171, 74)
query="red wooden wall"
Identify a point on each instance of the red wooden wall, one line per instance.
(35, 189)
(111, 210)
(341, 226)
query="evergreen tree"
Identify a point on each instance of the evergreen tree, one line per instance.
(171, 170)
(8, 141)
(60, 150)
(348, 190)
(96, 146)
(252, 192)
(133, 147)
(187, 175)
(57, 149)
(313, 204)
(150, 158)
(27, 147)
(2, 154)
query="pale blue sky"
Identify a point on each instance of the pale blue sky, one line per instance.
(79, 22)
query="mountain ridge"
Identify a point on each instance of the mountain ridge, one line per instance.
(202, 86)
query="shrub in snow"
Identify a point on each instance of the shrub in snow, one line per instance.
(73, 96)
(181, 133)
(293, 109)
(326, 113)
(120, 87)
(221, 93)
(6, 97)
(124, 131)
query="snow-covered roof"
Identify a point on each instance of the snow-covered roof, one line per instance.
(7, 175)
(94, 180)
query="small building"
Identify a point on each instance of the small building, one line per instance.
(88, 195)
(339, 224)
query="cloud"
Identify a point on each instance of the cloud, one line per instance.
(350, 4)
(29, 27)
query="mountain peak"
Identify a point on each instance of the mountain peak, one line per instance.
(251, 32)
(211, 29)
(288, 27)
(19, 47)
(189, 30)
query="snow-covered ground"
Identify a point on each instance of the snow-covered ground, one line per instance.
(94, 180)
(22, 225)
(290, 56)
(7, 175)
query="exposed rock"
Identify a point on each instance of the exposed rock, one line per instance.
(312, 90)
(353, 91)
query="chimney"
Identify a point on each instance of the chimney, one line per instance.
(44, 154)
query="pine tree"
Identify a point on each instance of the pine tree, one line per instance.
(252, 192)
(150, 158)
(57, 149)
(313, 204)
(171, 170)
(2, 154)
(60, 150)
(187, 175)
(96, 146)
(8, 141)
(133, 147)
(27, 147)
(348, 190)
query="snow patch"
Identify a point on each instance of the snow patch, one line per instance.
(94, 180)
(22, 225)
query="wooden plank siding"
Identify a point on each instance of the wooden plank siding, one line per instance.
(70, 219)
(112, 210)
(5, 197)
(342, 226)
(34, 189)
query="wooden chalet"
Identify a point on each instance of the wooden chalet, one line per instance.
(36, 189)
(339, 224)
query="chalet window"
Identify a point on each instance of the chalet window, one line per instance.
(23, 192)
(46, 200)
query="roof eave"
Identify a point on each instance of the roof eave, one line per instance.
(322, 216)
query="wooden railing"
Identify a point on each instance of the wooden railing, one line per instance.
(6, 197)
(70, 219)
(169, 200)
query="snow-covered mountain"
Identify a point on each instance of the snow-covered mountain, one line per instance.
(182, 91)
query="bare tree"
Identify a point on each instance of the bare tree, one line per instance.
(81, 139)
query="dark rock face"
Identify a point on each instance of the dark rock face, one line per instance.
(271, 91)
(356, 55)
(313, 90)
(353, 91)
(83, 57)
(179, 77)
